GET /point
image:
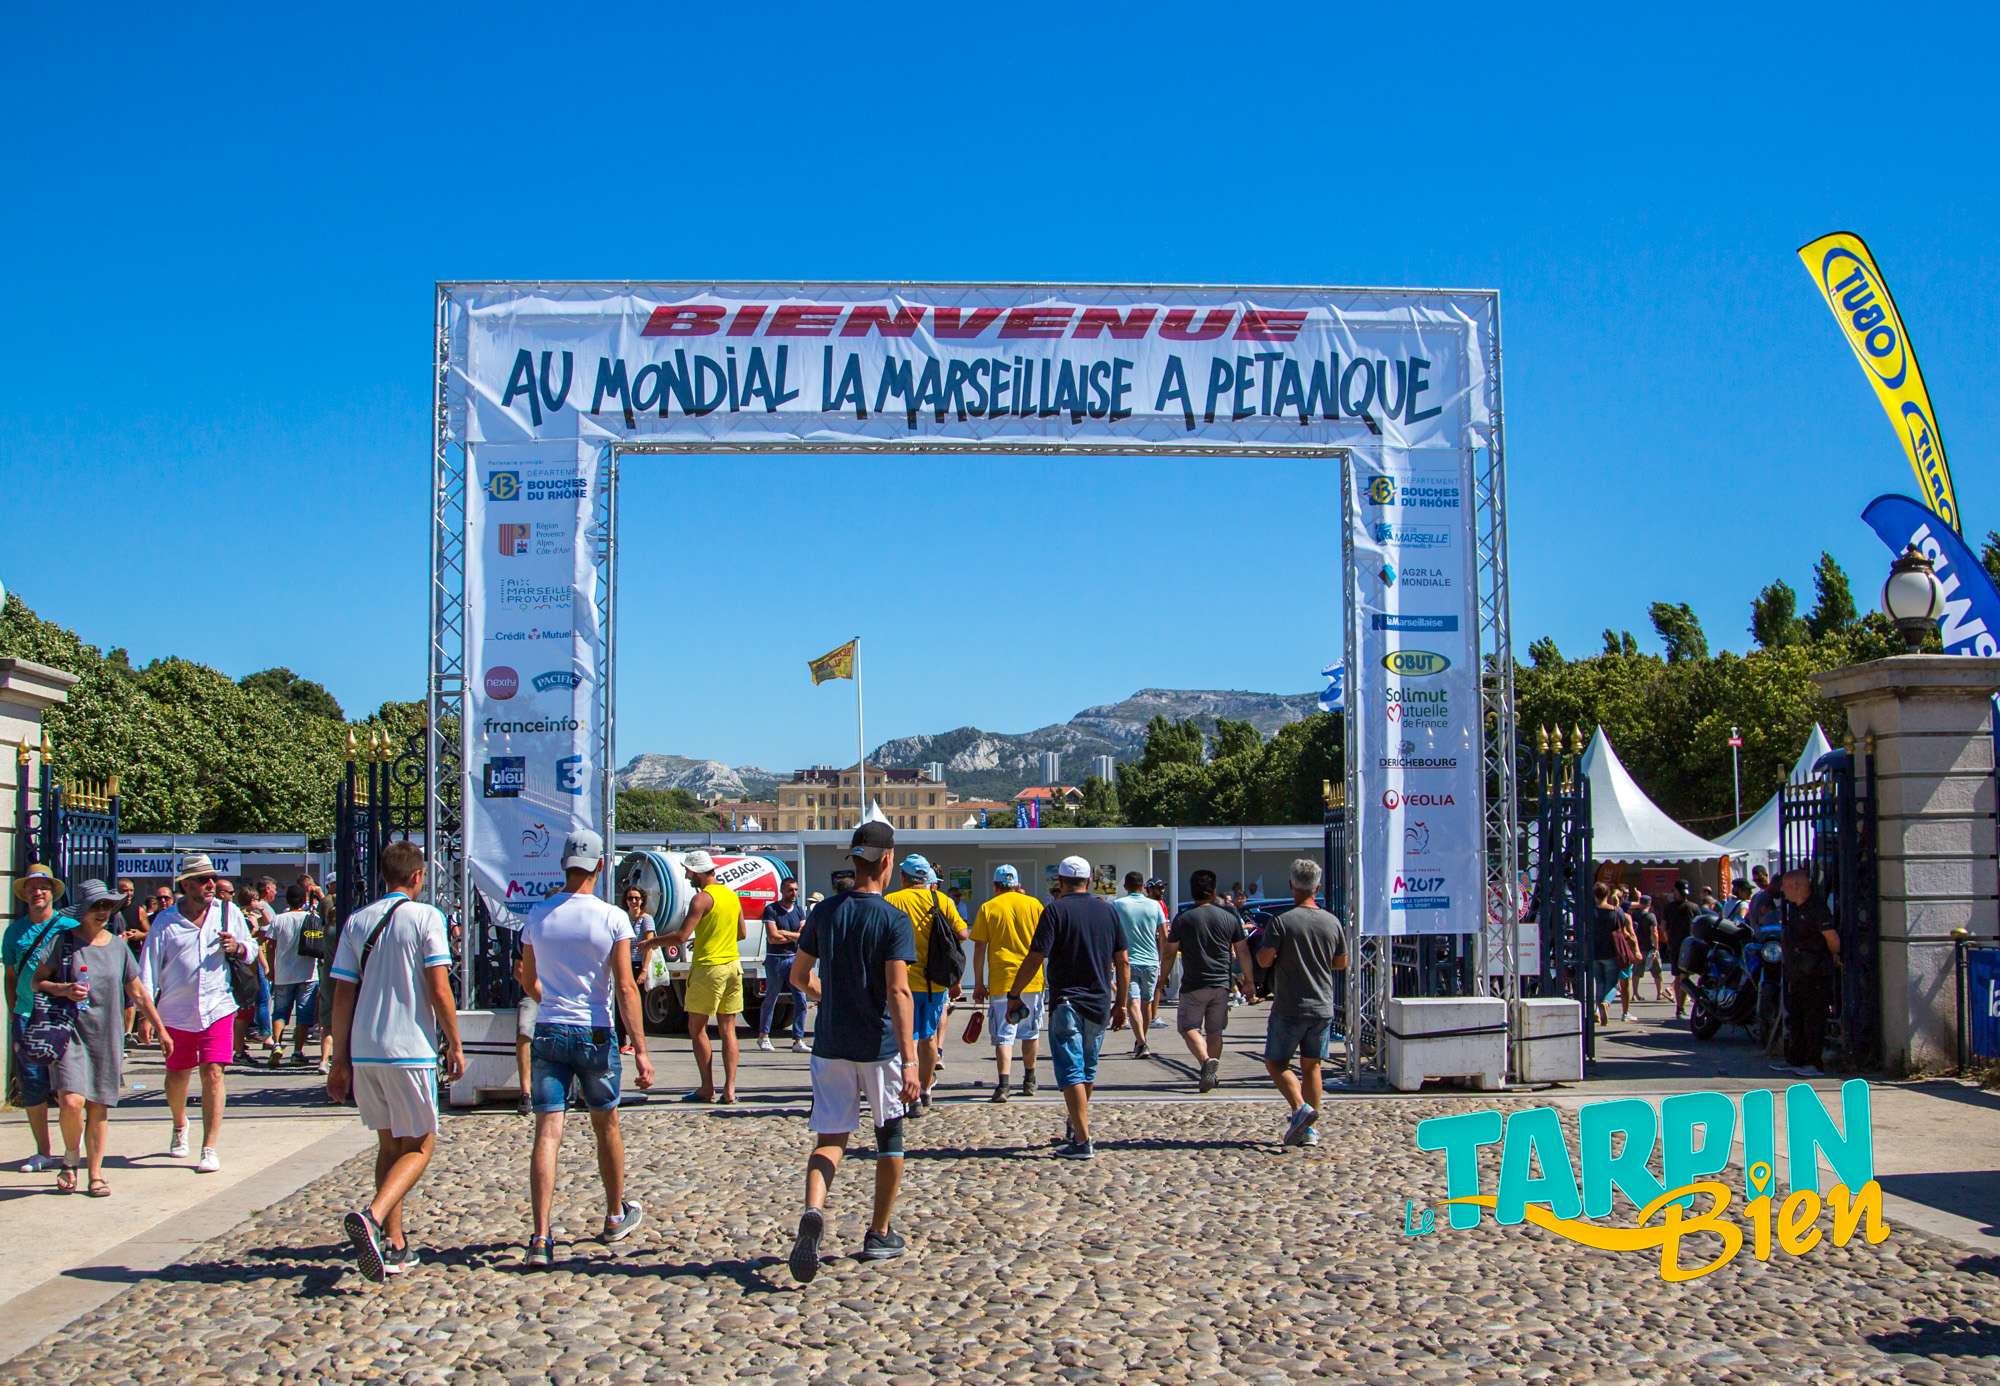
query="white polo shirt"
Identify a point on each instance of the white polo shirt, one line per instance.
(183, 965)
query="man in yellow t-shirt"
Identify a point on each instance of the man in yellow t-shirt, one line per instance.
(923, 902)
(1001, 934)
(715, 978)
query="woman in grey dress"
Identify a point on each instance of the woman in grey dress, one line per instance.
(93, 965)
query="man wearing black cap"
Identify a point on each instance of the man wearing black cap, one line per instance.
(864, 1047)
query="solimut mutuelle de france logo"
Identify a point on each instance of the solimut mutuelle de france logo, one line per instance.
(1541, 1181)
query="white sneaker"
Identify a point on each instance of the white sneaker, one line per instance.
(764, 1043)
(799, 1046)
(36, 1163)
(209, 1163)
(178, 1146)
(1311, 1137)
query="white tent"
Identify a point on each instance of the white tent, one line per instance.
(1756, 842)
(1627, 826)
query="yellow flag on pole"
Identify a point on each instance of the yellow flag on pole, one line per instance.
(1853, 288)
(834, 664)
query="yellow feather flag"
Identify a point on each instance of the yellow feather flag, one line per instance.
(835, 664)
(1853, 288)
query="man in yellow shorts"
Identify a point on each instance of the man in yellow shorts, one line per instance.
(715, 981)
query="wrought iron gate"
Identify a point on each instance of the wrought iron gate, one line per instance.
(380, 799)
(1826, 827)
(72, 828)
(1558, 862)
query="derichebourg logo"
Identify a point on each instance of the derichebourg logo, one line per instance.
(1415, 664)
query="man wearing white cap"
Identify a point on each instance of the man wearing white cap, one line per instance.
(185, 965)
(576, 951)
(1089, 973)
(29, 940)
(715, 975)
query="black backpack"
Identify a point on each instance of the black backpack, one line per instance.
(944, 961)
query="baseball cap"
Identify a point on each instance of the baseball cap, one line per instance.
(872, 842)
(582, 850)
(916, 866)
(1073, 869)
(1155, 883)
(1006, 876)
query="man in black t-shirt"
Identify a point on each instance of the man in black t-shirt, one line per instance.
(1812, 960)
(864, 1046)
(1083, 945)
(1677, 920)
(1207, 937)
(1646, 925)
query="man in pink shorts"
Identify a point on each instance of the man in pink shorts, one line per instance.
(185, 965)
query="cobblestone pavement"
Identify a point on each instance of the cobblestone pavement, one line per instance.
(1194, 1248)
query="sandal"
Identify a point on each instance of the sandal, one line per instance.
(66, 1179)
(99, 1189)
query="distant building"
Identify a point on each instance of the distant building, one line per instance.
(965, 813)
(935, 769)
(1104, 768)
(1057, 795)
(824, 797)
(743, 815)
(1051, 767)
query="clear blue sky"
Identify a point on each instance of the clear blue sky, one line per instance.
(220, 238)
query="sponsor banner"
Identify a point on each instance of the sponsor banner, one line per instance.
(1853, 288)
(531, 644)
(1414, 698)
(166, 864)
(778, 363)
(1971, 621)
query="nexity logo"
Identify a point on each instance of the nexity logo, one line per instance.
(502, 683)
(1415, 664)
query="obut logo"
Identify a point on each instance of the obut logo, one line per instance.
(1415, 664)
(1865, 315)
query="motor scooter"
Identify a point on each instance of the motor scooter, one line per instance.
(1713, 961)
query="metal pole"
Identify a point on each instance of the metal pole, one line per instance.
(860, 738)
(1959, 938)
(608, 737)
(1735, 774)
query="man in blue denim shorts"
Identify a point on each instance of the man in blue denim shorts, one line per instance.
(1083, 945)
(575, 951)
(1305, 949)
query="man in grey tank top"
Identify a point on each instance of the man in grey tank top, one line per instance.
(1306, 949)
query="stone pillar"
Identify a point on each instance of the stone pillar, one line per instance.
(27, 690)
(1926, 724)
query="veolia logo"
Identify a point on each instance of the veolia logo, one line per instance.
(1865, 314)
(1415, 664)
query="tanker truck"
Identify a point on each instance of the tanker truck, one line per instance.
(662, 875)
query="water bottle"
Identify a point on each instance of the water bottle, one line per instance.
(83, 977)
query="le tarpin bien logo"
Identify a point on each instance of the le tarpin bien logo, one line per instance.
(1693, 1133)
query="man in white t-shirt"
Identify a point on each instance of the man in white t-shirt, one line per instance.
(392, 995)
(576, 952)
(185, 965)
(292, 988)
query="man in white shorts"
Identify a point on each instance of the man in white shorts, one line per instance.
(1002, 932)
(864, 1046)
(393, 994)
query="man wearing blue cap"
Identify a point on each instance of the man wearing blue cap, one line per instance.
(1002, 933)
(927, 908)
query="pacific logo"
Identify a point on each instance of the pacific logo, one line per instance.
(557, 678)
(1415, 664)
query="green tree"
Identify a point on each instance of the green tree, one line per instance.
(1235, 739)
(1774, 616)
(1679, 630)
(307, 695)
(1543, 653)
(1989, 555)
(1620, 642)
(1295, 764)
(1100, 805)
(1833, 600)
(663, 811)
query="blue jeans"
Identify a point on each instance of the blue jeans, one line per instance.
(1289, 1035)
(263, 1023)
(778, 982)
(565, 1054)
(1073, 1045)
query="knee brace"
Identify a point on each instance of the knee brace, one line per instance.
(889, 1138)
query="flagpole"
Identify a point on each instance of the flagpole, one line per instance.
(860, 737)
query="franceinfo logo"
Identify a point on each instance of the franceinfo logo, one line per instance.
(534, 726)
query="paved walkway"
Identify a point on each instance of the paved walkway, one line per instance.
(1194, 1248)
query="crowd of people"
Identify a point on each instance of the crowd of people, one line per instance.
(207, 971)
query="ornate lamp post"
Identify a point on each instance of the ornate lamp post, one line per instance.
(1913, 597)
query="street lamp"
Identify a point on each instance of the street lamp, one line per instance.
(1912, 597)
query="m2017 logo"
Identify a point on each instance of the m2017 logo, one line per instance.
(1419, 893)
(502, 682)
(1381, 490)
(506, 777)
(557, 678)
(1415, 664)
(569, 775)
(504, 485)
